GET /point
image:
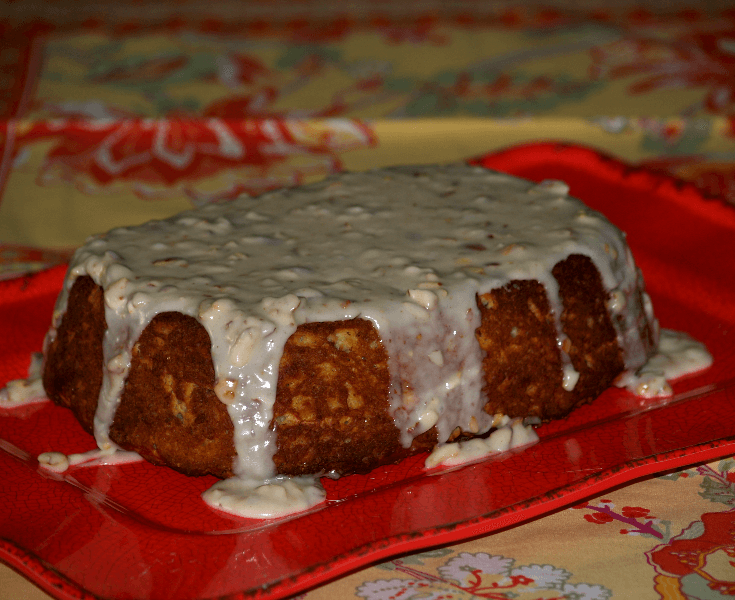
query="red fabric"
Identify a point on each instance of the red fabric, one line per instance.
(26, 307)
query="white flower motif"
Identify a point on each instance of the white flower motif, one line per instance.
(529, 579)
(386, 589)
(545, 576)
(584, 591)
(461, 566)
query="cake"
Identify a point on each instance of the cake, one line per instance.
(342, 325)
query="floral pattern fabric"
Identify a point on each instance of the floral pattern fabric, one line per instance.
(110, 125)
(636, 542)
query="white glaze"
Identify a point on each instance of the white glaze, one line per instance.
(677, 355)
(272, 498)
(25, 391)
(408, 248)
(58, 462)
(510, 434)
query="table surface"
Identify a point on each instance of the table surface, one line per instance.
(116, 116)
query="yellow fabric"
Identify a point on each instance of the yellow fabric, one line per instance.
(447, 92)
(31, 210)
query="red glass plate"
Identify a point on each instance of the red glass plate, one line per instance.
(141, 532)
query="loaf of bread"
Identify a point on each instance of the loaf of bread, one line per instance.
(339, 326)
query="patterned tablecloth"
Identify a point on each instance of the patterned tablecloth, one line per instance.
(115, 114)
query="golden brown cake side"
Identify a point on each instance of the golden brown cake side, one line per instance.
(73, 364)
(522, 363)
(168, 412)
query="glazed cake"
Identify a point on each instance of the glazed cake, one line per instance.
(339, 326)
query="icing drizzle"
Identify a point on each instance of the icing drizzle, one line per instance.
(408, 248)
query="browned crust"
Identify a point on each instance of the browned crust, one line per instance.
(594, 350)
(168, 410)
(332, 409)
(72, 375)
(522, 364)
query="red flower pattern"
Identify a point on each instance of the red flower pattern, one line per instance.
(703, 57)
(604, 513)
(635, 512)
(691, 556)
(158, 156)
(599, 518)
